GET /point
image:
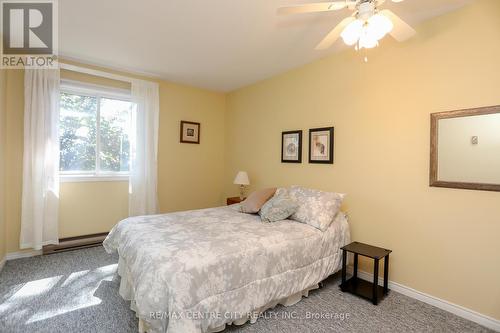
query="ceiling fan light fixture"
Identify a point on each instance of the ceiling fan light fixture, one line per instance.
(364, 28)
(367, 33)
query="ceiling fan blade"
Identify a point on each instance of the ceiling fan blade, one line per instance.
(334, 34)
(402, 30)
(312, 7)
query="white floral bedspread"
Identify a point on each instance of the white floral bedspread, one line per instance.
(197, 270)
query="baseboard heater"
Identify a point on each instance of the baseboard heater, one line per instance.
(75, 243)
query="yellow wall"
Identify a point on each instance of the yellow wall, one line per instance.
(91, 207)
(3, 76)
(190, 176)
(445, 241)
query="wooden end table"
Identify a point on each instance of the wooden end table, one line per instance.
(233, 200)
(359, 287)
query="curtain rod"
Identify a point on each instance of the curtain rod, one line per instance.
(96, 72)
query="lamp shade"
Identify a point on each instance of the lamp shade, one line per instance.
(241, 178)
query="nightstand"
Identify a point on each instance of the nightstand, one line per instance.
(359, 287)
(234, 200)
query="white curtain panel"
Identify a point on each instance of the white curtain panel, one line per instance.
(143, 197)
(40, 200)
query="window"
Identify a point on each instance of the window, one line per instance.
(94, 129)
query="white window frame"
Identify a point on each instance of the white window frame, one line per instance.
(98, 92)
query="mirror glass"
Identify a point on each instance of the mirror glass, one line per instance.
(469, 149)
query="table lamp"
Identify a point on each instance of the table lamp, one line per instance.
(242, 180)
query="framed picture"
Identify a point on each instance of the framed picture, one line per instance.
(291, 147)
(190, 132)
(321, 145)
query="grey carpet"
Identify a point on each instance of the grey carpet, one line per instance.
(78, 292)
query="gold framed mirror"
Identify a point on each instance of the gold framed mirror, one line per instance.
(465, 149)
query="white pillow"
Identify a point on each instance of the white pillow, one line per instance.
(316, 208)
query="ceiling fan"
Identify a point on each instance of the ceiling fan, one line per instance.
(364, 28)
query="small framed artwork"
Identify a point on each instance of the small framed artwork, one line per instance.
(291, 147)
(321, 145)
(190, 132)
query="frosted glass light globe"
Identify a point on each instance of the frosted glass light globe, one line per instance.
(352, 32)
(378, 26)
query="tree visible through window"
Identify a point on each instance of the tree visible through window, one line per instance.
(94, 134)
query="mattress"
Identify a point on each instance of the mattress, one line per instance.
(196, 271)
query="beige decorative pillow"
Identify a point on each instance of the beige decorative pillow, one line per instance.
(256, 200)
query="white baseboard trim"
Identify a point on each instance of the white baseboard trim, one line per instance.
(22, 254)
(458, 310)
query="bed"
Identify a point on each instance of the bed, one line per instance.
(198, 271)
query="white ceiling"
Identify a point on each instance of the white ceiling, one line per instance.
(220, 45)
